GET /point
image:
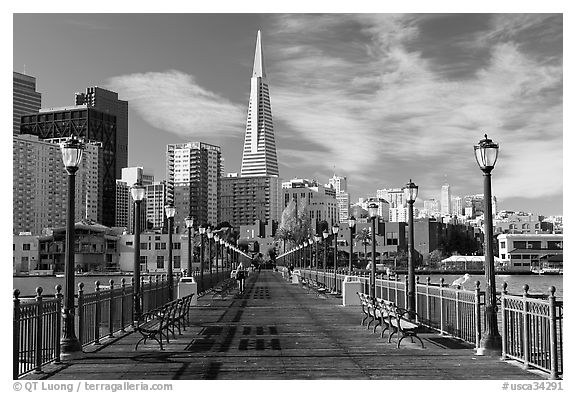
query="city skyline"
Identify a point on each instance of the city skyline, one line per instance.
(344, 90)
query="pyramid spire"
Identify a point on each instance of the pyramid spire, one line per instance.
(258, 58)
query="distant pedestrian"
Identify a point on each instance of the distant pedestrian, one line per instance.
(240, 277)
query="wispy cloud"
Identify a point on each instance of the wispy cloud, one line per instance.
(382, 110)
(172, 101)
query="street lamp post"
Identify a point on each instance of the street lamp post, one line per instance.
(486, 153)
(70, 347)
(410, 194)
(202, 231)
(210, 235)
(352, 226)
(190, 226)
(310, 242)
(170, 212)
(317, 239)
(217, 249)
(137, 192)
(373, 213)
(335, 229)
(325, 235)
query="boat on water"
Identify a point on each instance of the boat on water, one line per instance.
(546, 270)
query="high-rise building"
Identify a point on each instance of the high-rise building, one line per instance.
(40, 187)
(193, 182)
(457, 206)
(124, 201)
(259, 154)
(339, 183)
(155, 202)
(107, 101)
(445, 200)
(246, 200)
(89, 124)
(394, 196)
(25, 98)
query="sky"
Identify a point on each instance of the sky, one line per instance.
(379, 98)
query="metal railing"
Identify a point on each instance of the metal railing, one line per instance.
(532, 330)
(37, 323)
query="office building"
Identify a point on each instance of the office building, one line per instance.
(107, 101)
(124, 201)
(90, 125)
(394, 196)
(259, 154)
(193, 182)
(25, 98)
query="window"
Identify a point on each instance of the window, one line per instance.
(519, 244)
(143, 246)
(176, 261)
(502, 244)
(143, 259)
(26, 246)
(129, 243)
(160, 261)
(176, 246)
(163, 246)
(391, 238)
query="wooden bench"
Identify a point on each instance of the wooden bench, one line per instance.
(318, 287)
(158, 323)
(390, 317)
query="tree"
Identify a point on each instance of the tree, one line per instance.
(436, 257)
(365, 238)
(294, 224)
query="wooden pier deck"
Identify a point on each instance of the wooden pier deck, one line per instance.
(278, 330)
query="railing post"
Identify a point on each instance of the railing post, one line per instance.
(39, 343)
(59, 297)
(122, 305)
(442, 305)
(428, 299)
(525, 327)
(416, 307)
(458, 312)
(111, 311)
(134, 300)
(505, 336)
(16, 336)
(406, 291)
(97, 315)
(553, 338)
(81, 313)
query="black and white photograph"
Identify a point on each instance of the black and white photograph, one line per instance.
(302, 194)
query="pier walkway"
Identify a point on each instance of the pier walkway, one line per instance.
(277, 330)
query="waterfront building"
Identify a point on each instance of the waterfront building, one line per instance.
(247, 200)
(89, 124)
(26, 254)
(154, 253)
(107, 101)
(520, 222)
(25, 98)
(193, 182)
(39, 184)
(259, 153)
(525, 252)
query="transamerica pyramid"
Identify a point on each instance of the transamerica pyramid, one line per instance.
(259, 154)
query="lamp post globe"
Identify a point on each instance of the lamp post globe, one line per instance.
(138, 192)
(373, 213)
(351, 226)
(486, 154)
(170, 211)
(410, 194)
(70, 347)
(189, 221)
